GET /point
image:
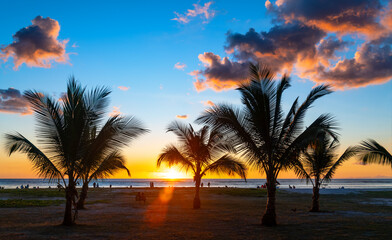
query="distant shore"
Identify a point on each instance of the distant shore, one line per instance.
(239, 183)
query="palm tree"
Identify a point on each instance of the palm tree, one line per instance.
(64, 133)
(372, 152)
(269, 141)
(201, 151)
(319, 162)
(101, 158)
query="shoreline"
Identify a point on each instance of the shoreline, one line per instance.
(297, 190)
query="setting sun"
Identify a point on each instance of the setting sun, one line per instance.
(172, 174)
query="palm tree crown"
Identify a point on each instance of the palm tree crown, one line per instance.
(268, 140)
(67, 135)
(101, 157)
(319, 162)
(201, 152)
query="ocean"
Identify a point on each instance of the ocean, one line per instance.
(239, 183)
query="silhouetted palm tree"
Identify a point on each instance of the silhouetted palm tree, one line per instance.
(372, 152)
(64, 131)
(319, 162)
(268, 140)
(201, 151)
(101, 157)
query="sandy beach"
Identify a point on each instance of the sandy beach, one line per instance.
(226, 213)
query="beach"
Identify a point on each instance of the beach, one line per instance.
(226, 213)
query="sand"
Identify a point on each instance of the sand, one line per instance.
(225, 214)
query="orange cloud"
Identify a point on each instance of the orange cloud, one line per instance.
(123, 88)
(203, 11)
(345, 17)
(115, 112)
(12, 101)
(180, 66)
(182, 116)
(219, 74)
(372, 64)
(386, 20)
(208, 103)
(307, 40)
(37, 45)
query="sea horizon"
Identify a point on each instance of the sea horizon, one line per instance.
(284, 183)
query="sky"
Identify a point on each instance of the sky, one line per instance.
(171, 60)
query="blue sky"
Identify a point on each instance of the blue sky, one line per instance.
(137, 44)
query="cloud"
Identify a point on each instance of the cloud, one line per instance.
(279, 48)
(208, 103)
(123, 88)
(313, 40)
(372, 63)
(330, 45)
(182, 116)
(12, 101)
(180, 66)
(115, 111)
(348, 16)
(37, 45)
(204, 12)
(219, 74)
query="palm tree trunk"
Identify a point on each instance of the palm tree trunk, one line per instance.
(196, 200)
(69, 194)
(83, 196)
(269, 217)
(315, 199)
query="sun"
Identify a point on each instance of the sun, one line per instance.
(173, 174)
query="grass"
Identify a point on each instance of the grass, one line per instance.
(20, 203)
(33, 192)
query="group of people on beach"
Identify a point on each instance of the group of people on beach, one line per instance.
(25, 187)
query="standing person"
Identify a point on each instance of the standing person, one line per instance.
(94, 184)
(202, 184)
(208, 184)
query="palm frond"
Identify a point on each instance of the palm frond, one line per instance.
(372, 152)
(97, 101)
(226, 165)
(41, 163)
(301, 172)
(182, 131)
(349, 153)
(297, 122)
(283, 85)
(233, 124)
(172, 156)
(111, 164)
